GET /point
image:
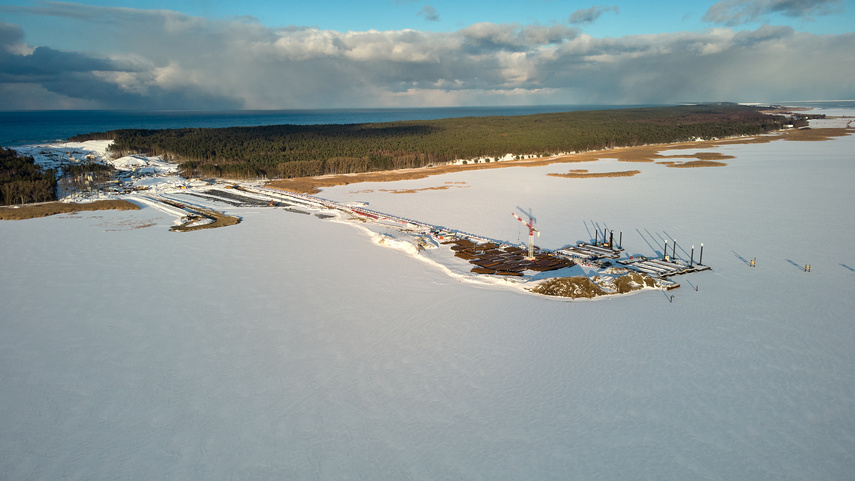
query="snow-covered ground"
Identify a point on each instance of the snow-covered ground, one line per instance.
(134, 171)
(294, 347)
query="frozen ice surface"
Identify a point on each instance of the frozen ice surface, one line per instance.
(289, 347)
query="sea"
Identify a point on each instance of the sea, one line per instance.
(33, 127)
(19, 128)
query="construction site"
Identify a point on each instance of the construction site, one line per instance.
(488, 257)
(503, 259)
(601, 259)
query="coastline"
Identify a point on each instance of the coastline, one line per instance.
(701, 156)
(639, 153)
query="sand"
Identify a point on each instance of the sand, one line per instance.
(644, 153)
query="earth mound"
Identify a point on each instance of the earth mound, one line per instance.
(586, 288)
(573, 287)
(634, 281)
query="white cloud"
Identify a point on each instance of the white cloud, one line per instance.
(300, 45)
(161, 59)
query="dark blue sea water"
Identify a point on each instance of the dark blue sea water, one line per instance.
(31, 127)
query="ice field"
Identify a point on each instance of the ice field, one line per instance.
(291, 347)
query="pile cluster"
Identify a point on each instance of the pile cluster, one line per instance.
(490, 258)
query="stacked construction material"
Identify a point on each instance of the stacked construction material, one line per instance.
(490, 258)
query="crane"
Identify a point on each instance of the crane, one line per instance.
(531, 231)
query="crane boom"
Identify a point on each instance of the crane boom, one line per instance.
(531, 231)
(529, 224)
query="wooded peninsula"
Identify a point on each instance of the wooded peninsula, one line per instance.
(288, 151)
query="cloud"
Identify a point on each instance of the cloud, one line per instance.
(588, 15)
(45, 61)
(10, 35)
(736, 12)
(162, 59)
(429, 13)
(483, 38)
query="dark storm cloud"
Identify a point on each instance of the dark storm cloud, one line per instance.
(47, 61)
(44, 65)
(735, 12)
(10, 35)
(80, 79)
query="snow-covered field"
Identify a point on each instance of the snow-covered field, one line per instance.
(292, 347)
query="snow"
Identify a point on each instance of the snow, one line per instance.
(294, 347)
(135, 171)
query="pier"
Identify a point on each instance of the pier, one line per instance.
(661, 268)
(588, 252)
(496, 257)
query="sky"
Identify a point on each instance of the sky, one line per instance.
(256, 54)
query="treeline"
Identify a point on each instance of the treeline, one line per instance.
(22, 181)
(93, 136)
(99, 172)
(285, 151)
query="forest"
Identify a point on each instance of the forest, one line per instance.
(22, 181)
(287, 151)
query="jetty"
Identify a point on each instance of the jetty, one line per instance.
(496, 257)
(662, 268)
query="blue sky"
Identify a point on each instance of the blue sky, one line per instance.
(327, 53)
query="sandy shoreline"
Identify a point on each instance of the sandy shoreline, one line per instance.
(641, 153)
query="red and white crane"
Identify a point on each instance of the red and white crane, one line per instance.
(531, 231)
